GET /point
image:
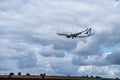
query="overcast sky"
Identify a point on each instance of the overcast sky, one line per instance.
(28, 40)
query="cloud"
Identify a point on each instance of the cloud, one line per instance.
(113, 58)
(49, 51)
(5, 62)
(100, 71)
(97, 60)
(92, 49)
(57, 66)
(26, 61)
(28, 39)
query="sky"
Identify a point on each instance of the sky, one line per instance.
(29, 43)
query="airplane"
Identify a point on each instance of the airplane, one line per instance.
(86, 33)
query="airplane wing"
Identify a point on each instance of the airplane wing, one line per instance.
(62, 34)
(79, 33)
(85, 36)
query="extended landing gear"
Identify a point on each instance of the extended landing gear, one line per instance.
(73, 37)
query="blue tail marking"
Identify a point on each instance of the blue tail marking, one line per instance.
(88, 31)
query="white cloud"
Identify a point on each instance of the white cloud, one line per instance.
(28, 35)
(103, 71)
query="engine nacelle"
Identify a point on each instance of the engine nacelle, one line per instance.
(68, 36)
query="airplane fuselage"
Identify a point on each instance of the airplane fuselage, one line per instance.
(68, 35)
(86, 33)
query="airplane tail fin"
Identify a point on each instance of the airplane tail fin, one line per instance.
(88, 31)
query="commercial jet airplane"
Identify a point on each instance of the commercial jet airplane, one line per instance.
(82, 34)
